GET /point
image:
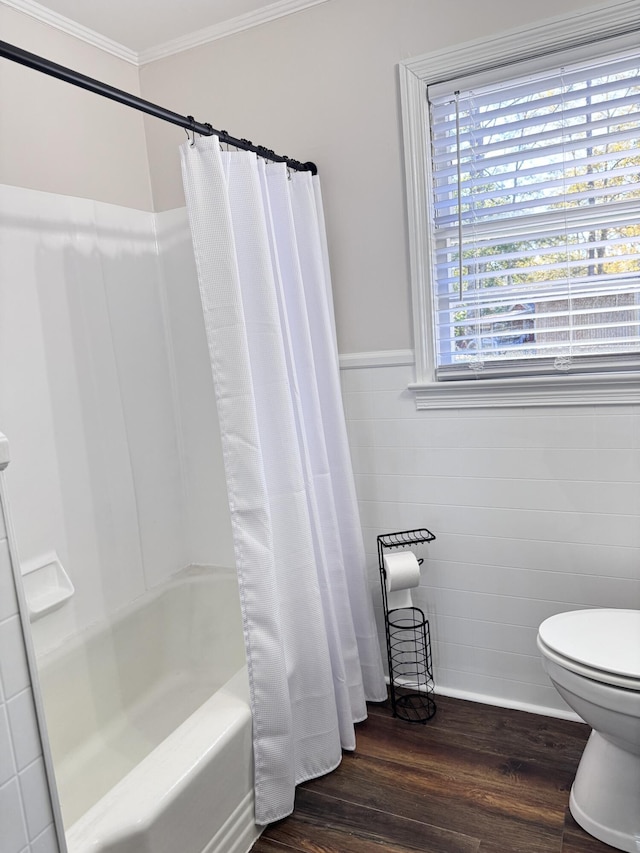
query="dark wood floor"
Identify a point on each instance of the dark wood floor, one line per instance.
(475, 779)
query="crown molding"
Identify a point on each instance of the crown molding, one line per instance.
(72, 28)
(563, 31)
(279, 9)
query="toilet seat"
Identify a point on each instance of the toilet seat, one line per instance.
(600, 644)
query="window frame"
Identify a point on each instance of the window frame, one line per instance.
(588, 31)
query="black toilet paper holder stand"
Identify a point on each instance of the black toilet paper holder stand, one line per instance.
(411, 684)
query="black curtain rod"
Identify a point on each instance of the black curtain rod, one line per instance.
(39, 63)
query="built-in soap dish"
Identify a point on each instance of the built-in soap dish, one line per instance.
(46, 585)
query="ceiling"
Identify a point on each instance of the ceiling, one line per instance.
(145, 28)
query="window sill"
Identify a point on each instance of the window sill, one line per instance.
(607, 389)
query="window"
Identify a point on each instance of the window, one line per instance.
(528, 267)
(536, 219)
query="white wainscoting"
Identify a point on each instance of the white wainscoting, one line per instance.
(535, 512)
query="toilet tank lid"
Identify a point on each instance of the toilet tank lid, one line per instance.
(604, 639)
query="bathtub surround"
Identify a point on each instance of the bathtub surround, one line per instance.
(310, 635)
(99, 384)
(103, 375)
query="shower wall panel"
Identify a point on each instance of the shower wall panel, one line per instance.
(208, 522)
(86, 400)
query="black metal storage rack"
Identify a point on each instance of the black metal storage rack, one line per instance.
(411, 684)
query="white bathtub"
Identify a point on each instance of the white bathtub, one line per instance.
(150, 726)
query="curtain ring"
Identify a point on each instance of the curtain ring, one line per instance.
(192, 128)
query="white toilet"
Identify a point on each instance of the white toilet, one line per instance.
(593, 659)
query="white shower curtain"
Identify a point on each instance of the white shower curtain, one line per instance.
(312, 650)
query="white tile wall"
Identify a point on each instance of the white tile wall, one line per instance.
(535, 512)
(26, 822)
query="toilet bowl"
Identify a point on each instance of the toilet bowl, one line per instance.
(593, 659)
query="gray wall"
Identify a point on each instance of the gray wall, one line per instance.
(322, 85)
(61, 139)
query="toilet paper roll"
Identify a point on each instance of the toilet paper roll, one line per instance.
(402, 572)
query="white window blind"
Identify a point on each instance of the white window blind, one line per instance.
(536, 221)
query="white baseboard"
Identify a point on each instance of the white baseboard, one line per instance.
(513, 704)
(499, 702)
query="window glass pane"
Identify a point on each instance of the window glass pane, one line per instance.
(536, 215)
